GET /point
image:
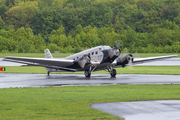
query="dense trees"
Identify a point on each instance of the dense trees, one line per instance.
(72, 25)
(22, 40)
(21, 15)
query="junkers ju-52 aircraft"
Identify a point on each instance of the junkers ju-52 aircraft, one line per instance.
(94, 59)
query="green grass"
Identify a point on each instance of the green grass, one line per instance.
(171, 70)
(38, 55)
(73, 103)
(60, 55)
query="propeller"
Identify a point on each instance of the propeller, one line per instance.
(125, 51)
(111, 54)
(118, 44)
(125, 60)
(130, 58)
(130, 64)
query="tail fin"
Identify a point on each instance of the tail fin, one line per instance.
(48, 54)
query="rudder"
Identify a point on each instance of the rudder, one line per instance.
(48, 54)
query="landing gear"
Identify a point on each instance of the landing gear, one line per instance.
(87, 74)
(113, 73)
(48, 73)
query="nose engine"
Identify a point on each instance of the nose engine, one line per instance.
(111, 54)
(124, 60)
(115, 52)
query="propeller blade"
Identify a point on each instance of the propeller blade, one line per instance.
(130, 64)
(125, 51)
(136, 55)
(118, 44)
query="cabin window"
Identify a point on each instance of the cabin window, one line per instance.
(74, 59)
(99, 48)
(92, 53)
(88, 54)
(96, 52)
(77, 57)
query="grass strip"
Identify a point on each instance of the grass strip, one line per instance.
(73, 102)
(38, 55)
(170, 70)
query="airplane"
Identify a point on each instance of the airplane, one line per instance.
(90, 60)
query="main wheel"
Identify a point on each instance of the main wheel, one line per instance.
(87, 73)
(113, 73)
(48, 73)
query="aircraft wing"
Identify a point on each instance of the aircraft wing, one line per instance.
(128, 60)
(44, 62)
(149, 59)
(60, 64)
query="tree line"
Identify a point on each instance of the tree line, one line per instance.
(73, 25)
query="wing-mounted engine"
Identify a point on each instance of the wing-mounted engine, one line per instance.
(124, 60)
(110, 54)
(82, 61)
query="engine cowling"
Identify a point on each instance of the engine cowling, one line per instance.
(82, 61)
(124, 60)
(111, 54)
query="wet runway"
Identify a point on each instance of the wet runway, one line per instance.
(143, 110)
(152, 110)
(41, 80)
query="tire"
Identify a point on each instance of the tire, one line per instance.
(87, 73)
(113, 73)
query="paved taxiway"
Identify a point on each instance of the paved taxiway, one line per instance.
(143, 110)
(41, 80)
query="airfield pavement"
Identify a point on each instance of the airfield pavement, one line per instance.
(141, 110)
(42, 80)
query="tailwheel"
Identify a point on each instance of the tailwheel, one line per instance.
(113, 73)
(87, 73)
(48, 73)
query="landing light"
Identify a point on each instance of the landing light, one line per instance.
(2, 68)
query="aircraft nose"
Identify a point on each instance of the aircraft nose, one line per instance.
(117, 52)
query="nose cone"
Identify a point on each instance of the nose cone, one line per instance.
(116, 52)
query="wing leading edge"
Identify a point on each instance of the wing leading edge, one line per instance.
(126, 59)
(149, 59)
(59, 64)
(44, 62)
